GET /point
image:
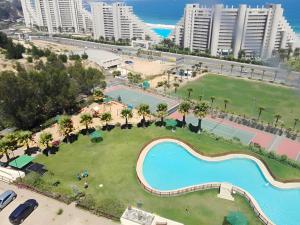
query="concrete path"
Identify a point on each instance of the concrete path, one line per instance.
(46, 213)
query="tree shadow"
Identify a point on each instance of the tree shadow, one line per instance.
(128, 126)
(160, 123)
(71, 139)
(180, 124)
(193, 128)
(143, 124)
(31, 151)
(50, 151)
(108, 127)
(87, 131)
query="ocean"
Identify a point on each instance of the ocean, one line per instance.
(168, 12)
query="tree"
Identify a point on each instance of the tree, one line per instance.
(63, 58)
(275, 75)
(143, 110)
(126, 114)
(260, 110)
(84, 56)
(189, 90)
(212, 99)
(221, 68)
(162, 110)
(65, 124)
(86, 119)
(116, 73)
(176, 85)
(200, 111)
(24, 137)
(45, 138)
(184, 108)
(277, 118)
(252, 71)
(242, 69)
(106, 117)
(226, 101)
(296, 120)
(5, 148)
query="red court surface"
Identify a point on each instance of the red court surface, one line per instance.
(289, 148)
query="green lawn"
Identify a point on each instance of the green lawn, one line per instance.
(247, 96)
(113, 161)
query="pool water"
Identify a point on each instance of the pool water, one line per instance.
(163, 32)
(169, 166)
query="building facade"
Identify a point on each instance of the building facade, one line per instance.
(219, 30)
(56, 16)
(118, 21)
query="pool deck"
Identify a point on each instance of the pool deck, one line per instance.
(252, 201)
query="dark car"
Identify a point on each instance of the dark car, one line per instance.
(22, 211)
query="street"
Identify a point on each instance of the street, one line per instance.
(46, 213)
(218, 66)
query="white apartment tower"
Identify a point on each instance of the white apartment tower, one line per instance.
(57, 16)
(256, 31)
(118, 21)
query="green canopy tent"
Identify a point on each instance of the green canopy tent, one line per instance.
(96, 136)
(21, 161)
(170, 124)
(146, 85)
(236, 218)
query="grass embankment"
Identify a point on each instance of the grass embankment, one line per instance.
(113, 161)
(247, 96)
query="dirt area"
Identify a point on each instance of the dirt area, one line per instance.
(146, 67)
(46, 213)
(58, 48)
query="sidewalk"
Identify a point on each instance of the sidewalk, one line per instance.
(46, 213)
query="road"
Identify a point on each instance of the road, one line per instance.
(228, 68)
(46, 213)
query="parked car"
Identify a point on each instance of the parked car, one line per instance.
(23, 211)
(6, 198)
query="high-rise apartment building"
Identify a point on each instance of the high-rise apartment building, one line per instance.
(118, 21)
(57, 16)
(221, 30)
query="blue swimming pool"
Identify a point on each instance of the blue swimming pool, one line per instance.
(169, 166)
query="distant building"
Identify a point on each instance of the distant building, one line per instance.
(117, 21)
(56, 16)
(219, 30)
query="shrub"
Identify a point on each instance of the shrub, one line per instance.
(60, 211)
(29, 59)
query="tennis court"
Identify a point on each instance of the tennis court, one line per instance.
(135, 97)
(222, 130)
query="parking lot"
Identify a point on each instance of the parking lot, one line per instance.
(46, 213)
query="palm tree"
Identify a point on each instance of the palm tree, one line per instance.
(189, 90)
(232, 66)
(98, 95)
(296, 120)
(66, 126)
(252, 71)
(143, 110)
(5, 148)
(277, 118)
(275, 75)
(106, 117)
(200, 111)
(221, 68)
(263, 74)
(184, 108)
(45, 138)
(176, 85)
(212, 99)
(242, 69)
(260, 110)
(24, 137)
(226, 101)
(86, 119)
(126, 114)
(162, 110)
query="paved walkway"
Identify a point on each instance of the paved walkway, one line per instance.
(46, 213)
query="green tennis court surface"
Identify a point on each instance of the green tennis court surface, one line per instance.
(222, 130)
(135, 97)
